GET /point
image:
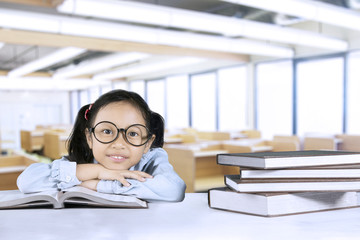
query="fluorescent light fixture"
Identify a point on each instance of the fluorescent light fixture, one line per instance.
(186, 19)
(98, 64)
(311, 10)
(111, 9)
(98, 29)
(47, 83)
(148, 68)
(55, 57)
(29, 21)
(117, 31)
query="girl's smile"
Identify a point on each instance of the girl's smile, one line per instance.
(118, 158)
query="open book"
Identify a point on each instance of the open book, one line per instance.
(75, 196)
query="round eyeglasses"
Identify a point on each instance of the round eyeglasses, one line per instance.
(107, 132)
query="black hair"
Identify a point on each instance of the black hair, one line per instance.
(77, 146)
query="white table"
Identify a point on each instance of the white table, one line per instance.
(190, 219)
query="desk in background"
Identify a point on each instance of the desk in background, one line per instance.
(198, 168)
(10, 168)
(196, 163)
(190, 219)
(55, 144)
(32, 140)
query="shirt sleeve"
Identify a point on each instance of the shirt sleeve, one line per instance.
(60, 174)
(165, 185)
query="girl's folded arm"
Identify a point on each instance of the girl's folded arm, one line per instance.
(60, 174)
(159, 188)
(165, 185)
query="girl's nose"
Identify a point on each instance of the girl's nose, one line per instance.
(120, 141)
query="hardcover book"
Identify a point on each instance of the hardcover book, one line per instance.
(239, 184)
(345, 171)
(74, 196)
(289, 159)
(278, 204)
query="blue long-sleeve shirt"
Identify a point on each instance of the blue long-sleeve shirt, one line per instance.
(165, 185)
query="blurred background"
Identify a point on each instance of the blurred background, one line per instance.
(241, 68)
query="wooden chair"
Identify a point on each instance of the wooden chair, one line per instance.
(55, 144)
(320, 143)
(349, 142)
(247, 145)
(202, 135)
(252, 133)
(188, 138)
(289, 138)
(232, 148)
(279, 146)
(32, 140)
(285, 143)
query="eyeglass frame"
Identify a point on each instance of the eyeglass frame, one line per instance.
(123, 130)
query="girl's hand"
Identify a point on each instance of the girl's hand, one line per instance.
(121, 175)
(91, 171)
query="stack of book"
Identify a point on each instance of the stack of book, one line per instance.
(283, 183)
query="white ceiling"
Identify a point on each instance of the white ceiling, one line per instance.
(22, 45)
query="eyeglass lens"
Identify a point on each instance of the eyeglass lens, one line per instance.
(107, 132)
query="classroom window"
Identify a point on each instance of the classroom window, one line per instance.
(156, 96)
(353, 96)
(138, 86)
(274, 98)
(74, 101)
(94, 94)
(232, 98)
(320, 96)
(177, 109)
(203, 101)
(120, 85)
(84, 98)
(106, 88)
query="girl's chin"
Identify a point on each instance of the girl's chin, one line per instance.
(116, 166)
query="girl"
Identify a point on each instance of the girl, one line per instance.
(115, 147)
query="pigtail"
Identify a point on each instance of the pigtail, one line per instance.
(77, 146)
(157, 127)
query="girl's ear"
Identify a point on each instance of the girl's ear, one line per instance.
(88, 138)
(149, 143)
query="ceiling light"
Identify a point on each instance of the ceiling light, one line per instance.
(111, 9)
(29, 21)
(186, 19)
(98, 64)
(55, 57)
(117, 31)
(100, 29)
(47, 83)
(148, 68)
(310, 10)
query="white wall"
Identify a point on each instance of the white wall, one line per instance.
(27, 109)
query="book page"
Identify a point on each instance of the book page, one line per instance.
(78, 195)
(15, 198)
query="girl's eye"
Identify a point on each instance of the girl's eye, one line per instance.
(133, 134)
(107, 131)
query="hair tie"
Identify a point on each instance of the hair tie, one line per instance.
(87, 111)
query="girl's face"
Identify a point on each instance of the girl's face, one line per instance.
(119, 154)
